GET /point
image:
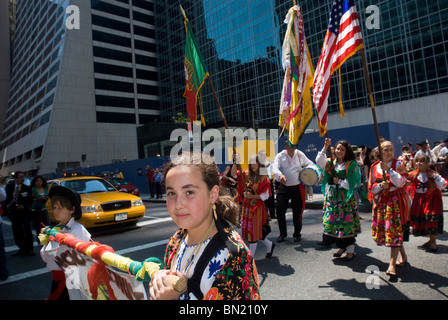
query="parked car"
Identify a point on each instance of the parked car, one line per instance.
(122, 185)
(101, 203)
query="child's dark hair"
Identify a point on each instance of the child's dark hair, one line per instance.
(63, 201)
(226, 207)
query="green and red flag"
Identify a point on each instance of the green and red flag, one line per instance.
(195, 72)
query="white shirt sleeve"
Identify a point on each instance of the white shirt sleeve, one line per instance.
(321, 159)
(304, 161)
(265, 195)
(275, 167)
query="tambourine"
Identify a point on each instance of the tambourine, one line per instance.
(310, 176)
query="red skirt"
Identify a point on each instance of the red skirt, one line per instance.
(253, 217)
(427, 214)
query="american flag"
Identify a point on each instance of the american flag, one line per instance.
(342, 40)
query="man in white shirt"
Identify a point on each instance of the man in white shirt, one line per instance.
(286, 169)
(425, 150)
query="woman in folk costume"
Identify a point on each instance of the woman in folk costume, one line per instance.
(427, 205)
(254, 216)
(387, 192)
(340, 212)
(206, 252)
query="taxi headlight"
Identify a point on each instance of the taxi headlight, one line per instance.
(90, 209)
(137, 203)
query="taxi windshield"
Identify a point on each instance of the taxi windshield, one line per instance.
(88, 185)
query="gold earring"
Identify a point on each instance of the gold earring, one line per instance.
(214, 212)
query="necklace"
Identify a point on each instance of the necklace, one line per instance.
(193, 255)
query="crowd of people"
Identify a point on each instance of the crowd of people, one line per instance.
(405, 194)
(216, 261)
(26, 208)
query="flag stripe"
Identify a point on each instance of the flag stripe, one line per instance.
(342, 40)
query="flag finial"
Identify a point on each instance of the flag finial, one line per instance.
(183, 12)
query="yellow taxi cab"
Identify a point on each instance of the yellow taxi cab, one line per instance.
(101, 203)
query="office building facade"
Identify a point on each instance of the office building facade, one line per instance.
(78, 96)
(84, 76)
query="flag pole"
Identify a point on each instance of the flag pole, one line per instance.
(220, 110)
(372, 103)
(372, 107)
(227, 127)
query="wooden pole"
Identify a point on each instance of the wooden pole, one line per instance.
(372, 103)
(372, 106)
(227, 127)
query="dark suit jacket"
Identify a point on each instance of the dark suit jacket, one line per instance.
(25, 197)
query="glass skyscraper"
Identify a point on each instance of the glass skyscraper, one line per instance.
(241, 44)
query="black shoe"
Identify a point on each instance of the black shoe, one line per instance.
(280, 239)
(339, 253)
(297, 238)
(347, 259)
(269, 254)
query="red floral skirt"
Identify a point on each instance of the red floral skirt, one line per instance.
(427, 214)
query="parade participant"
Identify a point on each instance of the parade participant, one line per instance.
(66, 206)
(341, 217)
(228, 180)
(426, 150)
(427, 205)
(287, 165)
(206, 251)
(407, 158)
(390, 219)
(39, 210)
(19, 199)
(270, 202)
(254, 216)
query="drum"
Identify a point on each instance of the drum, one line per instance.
(310, 176)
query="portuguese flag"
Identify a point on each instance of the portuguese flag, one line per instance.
(195, 72)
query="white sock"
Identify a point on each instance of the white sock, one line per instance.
(253, 247)
(350, 248)
(268, 245)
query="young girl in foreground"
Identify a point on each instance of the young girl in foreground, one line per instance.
(206, 250)
(66, 205)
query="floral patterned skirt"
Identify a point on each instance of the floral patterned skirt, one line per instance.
(340, 217)
(387, 228)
